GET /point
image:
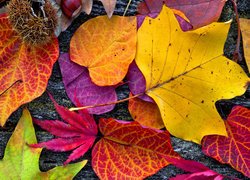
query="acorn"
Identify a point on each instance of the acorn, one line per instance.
(71, 8)
(34, 21)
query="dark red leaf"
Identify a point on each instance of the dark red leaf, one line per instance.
(198, 171)
(234, 149)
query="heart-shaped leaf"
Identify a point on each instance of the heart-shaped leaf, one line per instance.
(105, 48)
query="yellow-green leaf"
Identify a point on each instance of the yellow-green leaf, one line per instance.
(186, 73)
(22, 162)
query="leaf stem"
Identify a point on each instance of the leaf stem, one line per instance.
(237, 56)
(127, 7)
(17, 81)
(110, 103)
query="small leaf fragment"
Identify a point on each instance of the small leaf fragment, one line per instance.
(245, 30)
(200, 13)
(146, 113)
(109, 6)
(196, 170)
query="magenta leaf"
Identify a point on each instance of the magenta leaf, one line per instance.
(197, 171)
(77, 133)
(79, 86)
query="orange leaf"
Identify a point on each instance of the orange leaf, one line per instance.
(235, 148)
(130, 151)
(106, 46)
(146, 113)
(245, 30)
(24, 69)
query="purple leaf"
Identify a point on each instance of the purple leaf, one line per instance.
(152, 8)
(137, 82)
(79, 87)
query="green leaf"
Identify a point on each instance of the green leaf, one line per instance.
(22, 162)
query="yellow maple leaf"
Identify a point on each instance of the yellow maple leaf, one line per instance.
(186, 73)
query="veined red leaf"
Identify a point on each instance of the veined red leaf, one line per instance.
(24, 69)
(130, 151)
(234, 149)
(77, 133)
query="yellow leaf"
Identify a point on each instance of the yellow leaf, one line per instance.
(186, 74)
(245, 30)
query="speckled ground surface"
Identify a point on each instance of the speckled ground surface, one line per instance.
(42, 107)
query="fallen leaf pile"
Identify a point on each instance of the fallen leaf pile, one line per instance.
(170, 56)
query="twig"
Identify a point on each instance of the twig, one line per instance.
(18, 81)
(110, 103)
(237, 56)
(127, 7)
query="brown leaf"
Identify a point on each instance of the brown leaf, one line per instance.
(109, 6)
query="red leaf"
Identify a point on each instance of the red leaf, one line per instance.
(234, 149)
(62, 144)
(77, 153)
(24, 68)
(82, 121)
(58, 128)
(198, 170)
(205, 175)
(130, 151)
(188, 165)
(79, 132)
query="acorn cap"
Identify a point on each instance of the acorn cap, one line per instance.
(33, 21)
